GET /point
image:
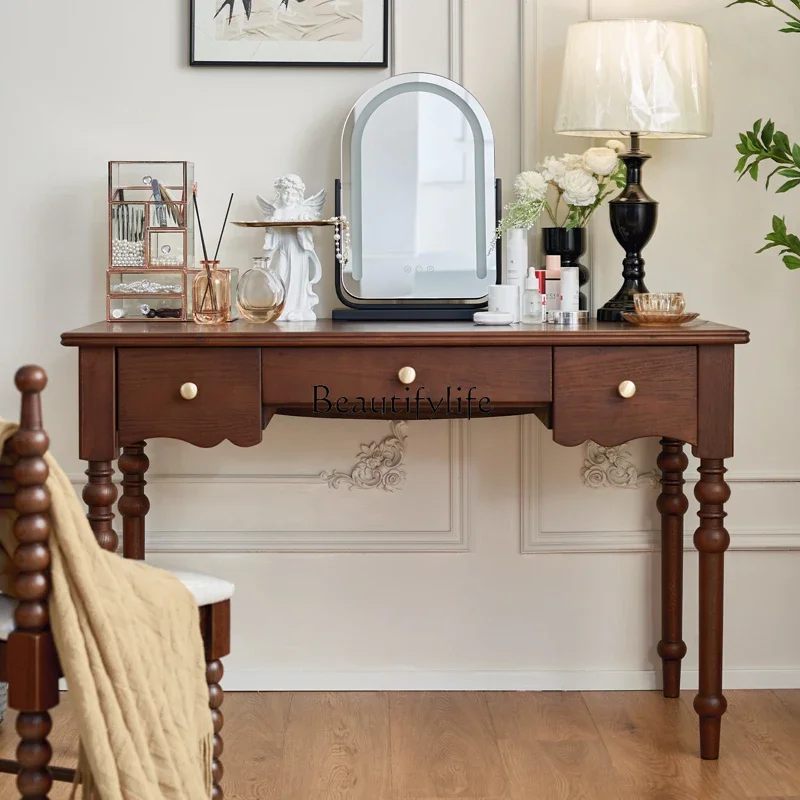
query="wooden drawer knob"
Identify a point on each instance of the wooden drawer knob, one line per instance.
(407, 376)
(627, 389)
(189, 391)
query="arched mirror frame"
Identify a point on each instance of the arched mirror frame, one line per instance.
(488, 206)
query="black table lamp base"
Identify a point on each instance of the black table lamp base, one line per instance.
(634, 215)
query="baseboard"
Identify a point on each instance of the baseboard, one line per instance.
(256, 680)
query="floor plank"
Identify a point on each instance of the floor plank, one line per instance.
(760, 743)
(653, 745)
(337, 748)
(254, 736)
(548, 740)
(506, 746)
(444, 746)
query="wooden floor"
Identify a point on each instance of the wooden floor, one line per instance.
(475, 746)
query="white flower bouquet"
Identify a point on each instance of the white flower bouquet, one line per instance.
(570, 189)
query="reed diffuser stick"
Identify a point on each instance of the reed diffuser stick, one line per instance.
(205, 256)
(224, 224)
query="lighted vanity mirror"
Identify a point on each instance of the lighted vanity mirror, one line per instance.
(418, 186)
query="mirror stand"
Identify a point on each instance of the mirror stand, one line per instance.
(364, 311)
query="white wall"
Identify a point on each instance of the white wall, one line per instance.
(453, 603)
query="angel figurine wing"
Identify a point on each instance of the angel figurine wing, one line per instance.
(266, 207)
(312, 208)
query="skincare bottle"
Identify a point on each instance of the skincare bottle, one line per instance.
(553, 278)
(517, 265)
(532, 300)
(570, 289)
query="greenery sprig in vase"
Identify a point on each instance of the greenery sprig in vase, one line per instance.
(765, 144)
(568, 189)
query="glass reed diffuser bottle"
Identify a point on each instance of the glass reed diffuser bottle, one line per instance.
(211, 295)
(261, 296)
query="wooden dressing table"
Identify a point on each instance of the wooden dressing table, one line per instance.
(609, 383)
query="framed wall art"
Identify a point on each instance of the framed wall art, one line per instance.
(290, 33)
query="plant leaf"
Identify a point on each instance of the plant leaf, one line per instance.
(767, 133)
(754, 171)
(771, 176)
(792, 262)
(767, 247)
(788, 186)
(796, 154)
(782, 141)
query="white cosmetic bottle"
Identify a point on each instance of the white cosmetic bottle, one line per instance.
(532, 300)
(517, 263)
(570, 289)
(553, 278)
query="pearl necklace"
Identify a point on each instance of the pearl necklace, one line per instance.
(343, 239)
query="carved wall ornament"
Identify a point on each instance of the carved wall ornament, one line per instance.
(612, 468)
(379, 466)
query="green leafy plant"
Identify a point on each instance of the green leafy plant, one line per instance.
(764, 144)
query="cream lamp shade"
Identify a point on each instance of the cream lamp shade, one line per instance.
(636, 76)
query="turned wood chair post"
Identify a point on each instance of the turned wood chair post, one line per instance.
(215, 624)
(31, 657)
(672, 505)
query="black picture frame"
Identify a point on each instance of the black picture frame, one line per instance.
(382, 64)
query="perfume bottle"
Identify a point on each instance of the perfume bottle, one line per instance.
(211, 295)
(261, 296)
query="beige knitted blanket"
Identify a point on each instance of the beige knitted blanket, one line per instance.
(128, 637)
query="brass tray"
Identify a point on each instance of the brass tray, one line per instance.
(660, 320)
(314, 223)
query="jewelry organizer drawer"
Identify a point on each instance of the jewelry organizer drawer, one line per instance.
(611, 395)
(199, 395)
(303, 378)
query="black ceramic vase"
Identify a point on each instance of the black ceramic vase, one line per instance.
(570, 245)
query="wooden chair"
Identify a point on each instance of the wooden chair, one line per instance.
(28, 658)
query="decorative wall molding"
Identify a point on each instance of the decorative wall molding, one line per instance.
(455, 538)
(379, 466)
(392, 38)
(534, 539)
(529, 82)
(456, 22)
(612, 468)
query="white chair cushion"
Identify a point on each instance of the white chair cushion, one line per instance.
(206, 590)
(7, 608)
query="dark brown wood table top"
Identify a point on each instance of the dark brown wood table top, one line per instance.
(326, 333)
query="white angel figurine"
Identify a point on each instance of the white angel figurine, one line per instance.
(297, 261)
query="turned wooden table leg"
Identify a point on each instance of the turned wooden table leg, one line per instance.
(711, 540)
(100, 494)
(672, 505)
(133, 505)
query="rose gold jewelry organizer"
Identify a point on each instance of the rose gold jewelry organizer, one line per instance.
(150, 240)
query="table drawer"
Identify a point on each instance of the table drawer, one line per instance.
(508, 377)
(587, 402)
(227, 405)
